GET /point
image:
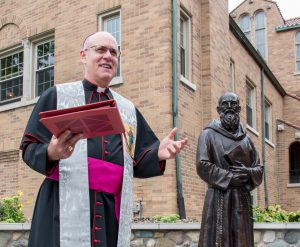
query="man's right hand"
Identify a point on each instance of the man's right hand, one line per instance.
(63, 146)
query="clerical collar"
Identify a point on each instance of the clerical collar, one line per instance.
(90, 86)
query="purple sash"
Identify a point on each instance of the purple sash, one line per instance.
(103, 176)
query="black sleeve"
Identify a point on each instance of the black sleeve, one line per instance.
(146, 151)
(37, 137)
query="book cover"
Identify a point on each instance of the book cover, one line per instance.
(96, 119)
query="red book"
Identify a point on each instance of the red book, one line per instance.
(96, 119)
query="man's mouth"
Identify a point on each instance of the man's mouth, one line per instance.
(105, 66)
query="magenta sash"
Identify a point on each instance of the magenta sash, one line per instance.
(103, 176)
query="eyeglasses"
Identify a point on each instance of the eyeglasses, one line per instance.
(100, 49)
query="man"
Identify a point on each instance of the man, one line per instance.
(228, 162)
(86, 198)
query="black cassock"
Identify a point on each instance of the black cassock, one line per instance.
(104, 224)
(227, 214)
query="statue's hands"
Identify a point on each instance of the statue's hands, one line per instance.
(241, 175)
(240, 169)
(239, 180)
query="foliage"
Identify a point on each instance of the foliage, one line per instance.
(274, 213)
(172, 218)
(11, 209)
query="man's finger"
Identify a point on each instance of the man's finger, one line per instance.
(172, 133)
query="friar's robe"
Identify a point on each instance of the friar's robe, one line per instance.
(227, 213)
(104, 223)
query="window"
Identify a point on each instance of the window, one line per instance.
(294, 151)
(298, 52)
(232, 75)
(185, 46)
(251, 105)
(260, 33)
(245, 24)
(44, 70)
(268, 120)
(11, 77)
(110, 22)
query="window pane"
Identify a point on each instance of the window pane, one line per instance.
(260, 41)
(298, 38)
(298, 66)
(245, 23)
(46, 48)
(40, 50)
(260, 20)
(298, 51)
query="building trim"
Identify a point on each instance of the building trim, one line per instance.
(238, 33)
(282, 29)
(288, 123)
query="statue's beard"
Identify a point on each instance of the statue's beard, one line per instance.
(230, 120)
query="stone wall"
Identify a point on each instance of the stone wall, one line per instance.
(169, 235)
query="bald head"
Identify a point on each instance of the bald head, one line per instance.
(91, 39)
(227, 96)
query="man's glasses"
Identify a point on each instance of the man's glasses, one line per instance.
(101, 50)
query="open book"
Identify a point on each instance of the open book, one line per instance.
(96, 119)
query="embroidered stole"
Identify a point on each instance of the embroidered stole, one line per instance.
(74, 200)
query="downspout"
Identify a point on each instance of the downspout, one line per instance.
(180, 199)
(264, 136)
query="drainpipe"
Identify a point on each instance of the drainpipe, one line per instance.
(264, 136)
(180, 199)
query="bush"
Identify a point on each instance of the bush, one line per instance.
(172, 218)
(274, 213)
(11, 209)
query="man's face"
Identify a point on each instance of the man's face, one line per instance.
(229, 110)
(100, 59)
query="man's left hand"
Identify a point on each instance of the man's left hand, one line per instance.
(168, 148)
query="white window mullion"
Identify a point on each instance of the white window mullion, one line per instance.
(27, 85)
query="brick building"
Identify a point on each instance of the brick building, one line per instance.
(39, 47)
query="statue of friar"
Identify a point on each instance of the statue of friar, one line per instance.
(229, 163)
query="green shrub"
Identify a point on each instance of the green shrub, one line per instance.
(11, 209)
(274, 213)
(172, 218)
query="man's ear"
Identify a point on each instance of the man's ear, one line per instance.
(218, 109)
(239, 109)
(82, 56)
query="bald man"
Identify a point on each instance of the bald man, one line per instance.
(86, 197)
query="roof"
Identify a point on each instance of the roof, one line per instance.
(289, 24)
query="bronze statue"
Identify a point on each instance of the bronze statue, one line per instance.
(229, 163)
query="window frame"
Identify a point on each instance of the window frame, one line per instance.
(101, 27)
(232, 75)
(268, 119)
(297, 59)
(264, 28)
(293, 163)
(186, 39)
(252, 87)
(35, 45)
(247, 32)
(7, 53)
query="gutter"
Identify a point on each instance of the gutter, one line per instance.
(180, 199)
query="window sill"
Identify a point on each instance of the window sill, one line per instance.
(295, 185)
(116, 81)
(188, 83)
(269, 143)
(18, 104)
(253, 131)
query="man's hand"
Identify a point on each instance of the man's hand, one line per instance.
(63, 146)
(168, 148)
(239, 180)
